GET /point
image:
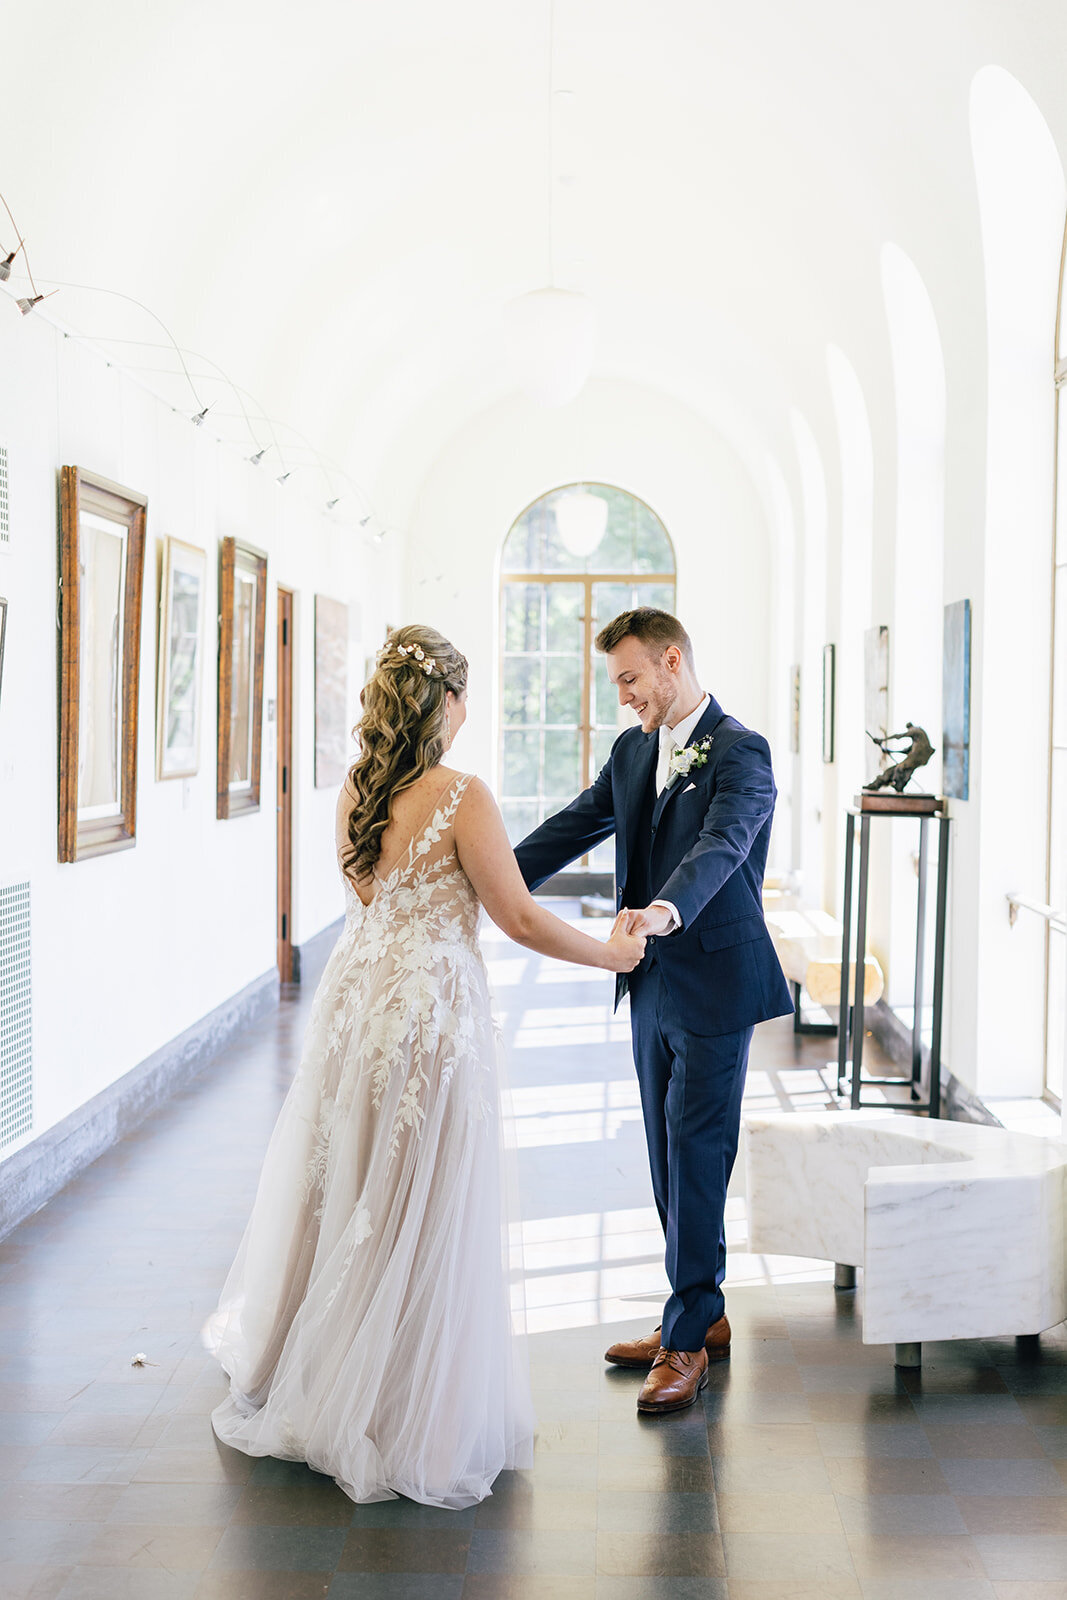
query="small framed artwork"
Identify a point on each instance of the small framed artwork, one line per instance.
(3, 635)
(794, 723)
(875, 695)
(331, 692)
(829, 668)
(242, 637)
(179, 670)
(956, 701)
(101, 564)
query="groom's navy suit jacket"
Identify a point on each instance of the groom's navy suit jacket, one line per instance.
(702, 845)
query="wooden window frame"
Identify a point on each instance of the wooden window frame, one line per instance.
(87, 491)
(229, 804)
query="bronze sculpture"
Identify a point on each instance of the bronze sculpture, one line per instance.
(916, 754)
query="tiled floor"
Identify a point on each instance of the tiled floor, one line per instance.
(812, 1471)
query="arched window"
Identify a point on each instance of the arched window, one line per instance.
(1056, 889)
(573, 560)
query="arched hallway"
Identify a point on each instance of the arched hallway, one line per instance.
(812, 1469)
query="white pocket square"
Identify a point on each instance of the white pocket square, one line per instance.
(688, 787)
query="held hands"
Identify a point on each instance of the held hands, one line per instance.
(625, 945)
(651, 920)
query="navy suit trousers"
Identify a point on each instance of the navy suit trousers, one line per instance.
(691, 1088)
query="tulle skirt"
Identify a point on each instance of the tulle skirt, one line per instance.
(366, 1323)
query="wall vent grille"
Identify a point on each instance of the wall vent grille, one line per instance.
(5, 503)
(16, 1037)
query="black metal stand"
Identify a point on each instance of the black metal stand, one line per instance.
(800, 1026)
(851, 1036)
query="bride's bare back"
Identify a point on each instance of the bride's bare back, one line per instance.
(410, 811)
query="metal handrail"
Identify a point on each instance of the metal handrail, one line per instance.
(1055, 919)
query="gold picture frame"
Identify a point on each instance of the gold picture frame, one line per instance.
(242, 639)
(179, 675)
(101, 574)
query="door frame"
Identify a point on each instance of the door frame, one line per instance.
(288, 967)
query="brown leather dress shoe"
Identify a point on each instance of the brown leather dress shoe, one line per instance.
(675, 1381)
(642, 1352)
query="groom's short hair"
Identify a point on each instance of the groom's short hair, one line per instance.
(653, 628)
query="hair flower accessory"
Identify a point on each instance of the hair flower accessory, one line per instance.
(694, 755)
(425, 662)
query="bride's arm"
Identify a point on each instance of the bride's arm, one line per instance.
(486, 856)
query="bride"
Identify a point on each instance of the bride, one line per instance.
(364, 1324)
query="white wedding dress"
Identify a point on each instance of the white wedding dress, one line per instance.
(365, 1323)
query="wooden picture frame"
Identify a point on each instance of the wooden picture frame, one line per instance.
(794, 710)
(179, 673)
(332, 754)
(956, 701)
(242, 638)
(829, 688)
(101, 575)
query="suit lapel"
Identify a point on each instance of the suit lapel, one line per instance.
(713, 715)
(638, 775)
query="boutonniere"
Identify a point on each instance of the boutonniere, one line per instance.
(683, 761)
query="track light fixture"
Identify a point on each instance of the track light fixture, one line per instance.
(281, 477)
(27, 305)
(331, 503)
(5, 265)
(198, 420)
(258, 457)
(363, 521)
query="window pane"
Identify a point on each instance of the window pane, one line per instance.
(522, 759)
(520, 818)
(616, 550)
(652, 548)
(522, 616)
(605, 706)
(522, 689)
(603, 857)
(608, 600)
(660, 595)
(562, 752)
(557, 557)
(563, 689)
(602, 743)
(522, 552)
(564, 616)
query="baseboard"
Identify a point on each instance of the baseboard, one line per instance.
(312, 954)
(958, 1102)
(36, 1172)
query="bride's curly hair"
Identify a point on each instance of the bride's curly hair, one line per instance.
(402, 732)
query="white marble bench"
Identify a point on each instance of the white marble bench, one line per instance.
(961, 1229)
(808, 945)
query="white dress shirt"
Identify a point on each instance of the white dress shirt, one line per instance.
(671, 739)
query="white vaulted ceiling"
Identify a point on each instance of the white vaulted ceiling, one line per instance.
(333, 202)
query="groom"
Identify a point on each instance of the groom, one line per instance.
(689, 796)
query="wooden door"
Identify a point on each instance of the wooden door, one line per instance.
(286, 967)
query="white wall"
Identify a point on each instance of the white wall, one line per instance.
(129, 949)
(642, 441)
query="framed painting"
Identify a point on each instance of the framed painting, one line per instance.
(179, 670)
(956, 701)
(875, 695)
(242, 637)
(331, 692)
(101, 573)
(794, 721)
(829, 670)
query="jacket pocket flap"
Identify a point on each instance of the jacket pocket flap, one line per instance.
(742, 931)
